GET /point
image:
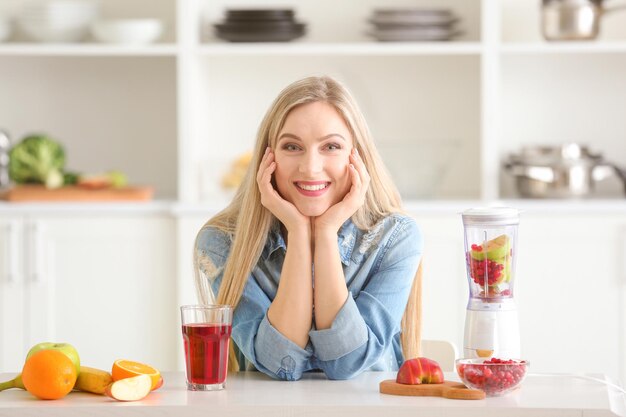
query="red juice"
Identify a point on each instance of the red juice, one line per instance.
(206, 352)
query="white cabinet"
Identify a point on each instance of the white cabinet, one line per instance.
(444, 285)
(12, 293)
(570, 288)
(103, 284)
(188, 225)
(570, 291)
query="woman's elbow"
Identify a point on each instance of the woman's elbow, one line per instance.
(283, 375)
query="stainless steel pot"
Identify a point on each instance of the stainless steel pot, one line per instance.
(573, 19)
(559, 171)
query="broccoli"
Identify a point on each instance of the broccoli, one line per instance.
(37, 159)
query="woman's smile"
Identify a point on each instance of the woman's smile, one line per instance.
(312, 188)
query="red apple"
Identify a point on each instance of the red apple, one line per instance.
(420, 371)
(130, 389)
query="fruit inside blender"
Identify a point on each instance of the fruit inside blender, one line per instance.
(490, 268)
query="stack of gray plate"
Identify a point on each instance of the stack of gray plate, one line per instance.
(259, 25)
(413, 24)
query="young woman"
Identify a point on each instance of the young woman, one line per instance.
(314, 251)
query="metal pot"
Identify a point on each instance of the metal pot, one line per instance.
(564, 20)
(563, 171)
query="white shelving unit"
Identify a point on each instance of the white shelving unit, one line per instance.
(446, 112)
(175, 114)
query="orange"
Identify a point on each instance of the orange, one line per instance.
(123, 368)
(49, 374)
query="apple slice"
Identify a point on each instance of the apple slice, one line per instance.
(130, 389)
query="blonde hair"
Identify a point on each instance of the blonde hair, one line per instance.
(248, 223)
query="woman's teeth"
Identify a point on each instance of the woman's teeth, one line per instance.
(313, 187)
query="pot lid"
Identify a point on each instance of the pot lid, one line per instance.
(553, 155)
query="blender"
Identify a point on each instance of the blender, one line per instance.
(491, 322)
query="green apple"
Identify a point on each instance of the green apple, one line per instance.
(496, 248)
(65, 348)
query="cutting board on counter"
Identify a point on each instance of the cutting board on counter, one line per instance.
(28, 193)
(448, 389)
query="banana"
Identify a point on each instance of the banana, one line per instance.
(14, 383)
(92, 380)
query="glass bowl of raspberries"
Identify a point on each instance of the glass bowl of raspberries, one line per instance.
(493, 376)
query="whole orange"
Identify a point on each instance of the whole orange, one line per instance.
(49, 374)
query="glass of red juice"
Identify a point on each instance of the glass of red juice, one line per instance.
(206, 332)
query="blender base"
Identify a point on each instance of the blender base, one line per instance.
(493, 333)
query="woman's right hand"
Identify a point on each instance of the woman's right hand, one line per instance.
(286, 212)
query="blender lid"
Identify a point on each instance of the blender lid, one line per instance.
(490, 216)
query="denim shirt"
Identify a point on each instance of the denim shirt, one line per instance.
(379, 266)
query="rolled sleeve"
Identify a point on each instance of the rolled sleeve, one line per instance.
(285, 359)
(380, 305)
(347, 332)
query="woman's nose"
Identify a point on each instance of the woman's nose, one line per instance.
(311, 163)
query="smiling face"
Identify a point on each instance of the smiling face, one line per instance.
(312, 157)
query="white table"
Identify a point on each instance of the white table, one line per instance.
(254, 394)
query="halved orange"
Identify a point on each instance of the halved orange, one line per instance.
(123, 368)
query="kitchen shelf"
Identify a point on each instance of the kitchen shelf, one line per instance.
(444, 208)
(94, 49)
(563, 48)
(345, 49)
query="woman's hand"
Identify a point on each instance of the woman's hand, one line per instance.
(286, 212)
(336, 215)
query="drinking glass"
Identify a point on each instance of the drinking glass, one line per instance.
(206, 333)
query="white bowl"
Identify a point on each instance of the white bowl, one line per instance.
(129, 31)
(58, 20)
(53, 33)
(61, 11)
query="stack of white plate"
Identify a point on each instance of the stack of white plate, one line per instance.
(413, 24)
(58, 20)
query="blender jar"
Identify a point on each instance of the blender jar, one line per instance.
(490, 240)
(491, 324)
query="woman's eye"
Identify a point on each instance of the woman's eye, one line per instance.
(334, 146)
(290, 147)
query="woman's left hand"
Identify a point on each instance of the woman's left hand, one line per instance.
(336, 215)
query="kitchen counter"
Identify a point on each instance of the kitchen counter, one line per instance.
(254, 394)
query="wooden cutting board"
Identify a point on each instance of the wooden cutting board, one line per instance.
(25, 193)
(448, 389)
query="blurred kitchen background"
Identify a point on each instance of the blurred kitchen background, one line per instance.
(506, 102)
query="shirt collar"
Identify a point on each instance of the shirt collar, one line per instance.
(346, 241)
